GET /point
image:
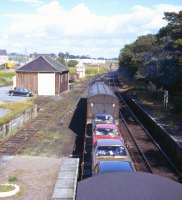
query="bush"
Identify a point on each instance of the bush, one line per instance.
(72, 63)
(6, 78)
(12, 179)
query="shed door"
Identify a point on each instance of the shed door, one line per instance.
(46, 84)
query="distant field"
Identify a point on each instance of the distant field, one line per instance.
(72, 70)
(6, 78)
(91, 70)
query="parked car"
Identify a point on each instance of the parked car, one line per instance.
(109, 149)
(20, 92)
(106, 131)
(113, 166)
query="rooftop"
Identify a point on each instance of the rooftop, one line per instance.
(3, 52)
(43, 64)
(109, 142)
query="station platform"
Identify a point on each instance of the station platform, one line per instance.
(65, 187)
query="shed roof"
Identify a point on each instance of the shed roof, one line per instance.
(43, 64)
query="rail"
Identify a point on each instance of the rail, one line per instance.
(172, 166)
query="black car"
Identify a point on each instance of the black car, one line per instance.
(20, 92)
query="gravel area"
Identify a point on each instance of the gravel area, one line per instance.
(36, 176)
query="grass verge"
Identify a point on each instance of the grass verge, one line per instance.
(6, 78)
(6, 188)
(15, 108)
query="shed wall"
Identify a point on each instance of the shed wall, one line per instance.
(63, 82)
(27, 80)
(30, 80)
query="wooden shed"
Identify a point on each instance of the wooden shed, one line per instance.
(43, 76)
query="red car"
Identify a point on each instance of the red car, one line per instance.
(106, 131)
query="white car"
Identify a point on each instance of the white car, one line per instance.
(102, 118)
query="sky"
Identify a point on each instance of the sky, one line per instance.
(98, 28)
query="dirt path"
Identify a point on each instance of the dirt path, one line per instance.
(48, 134)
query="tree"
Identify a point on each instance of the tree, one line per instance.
(61, 60)
(72, 63)
(133, 55)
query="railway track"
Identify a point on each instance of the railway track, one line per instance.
(15, 143)
(145, 152)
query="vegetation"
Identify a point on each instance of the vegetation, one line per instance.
(92, 71)
(61, 60)
(12, 179)
(6, 188)
(72, 63)
(66, 55)
(72, 70)
(6, 78)
(158, 58)
(15, 108)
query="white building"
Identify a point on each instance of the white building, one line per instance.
(3, 57)
(80, 70)
(91, 61)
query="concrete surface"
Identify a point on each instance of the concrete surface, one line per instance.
(4, 96)
(65, 187)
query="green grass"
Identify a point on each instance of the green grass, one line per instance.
(90, 70)
(6, 78)
(95, 70)
(6, 188)
(15, 108)
(72, 70)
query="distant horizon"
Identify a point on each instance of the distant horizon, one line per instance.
(80, 55)
(83, 27)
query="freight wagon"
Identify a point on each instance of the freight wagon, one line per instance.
(101, 100)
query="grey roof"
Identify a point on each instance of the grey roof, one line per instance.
(3, 52)
(109, 142)
(43, 64)
(100, 88)
(128, 186)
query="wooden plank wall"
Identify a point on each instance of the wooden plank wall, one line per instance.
(30, 81)
(57, 83)
(64, 81)
(27, 80)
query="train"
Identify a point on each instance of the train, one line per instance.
(101, 100)
(109, 152)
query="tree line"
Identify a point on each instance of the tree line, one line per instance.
(158, 58)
